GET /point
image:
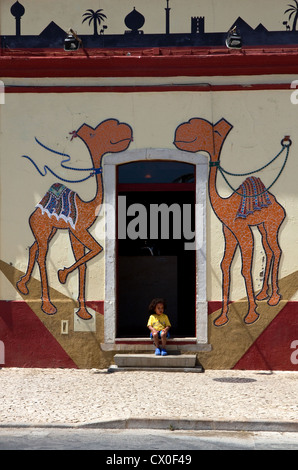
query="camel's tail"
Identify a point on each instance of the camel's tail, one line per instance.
(254, 197)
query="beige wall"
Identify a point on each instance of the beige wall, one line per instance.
(260, 120)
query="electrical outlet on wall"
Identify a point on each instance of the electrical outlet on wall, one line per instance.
(64, 327)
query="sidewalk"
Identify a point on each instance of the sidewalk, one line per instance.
(213, 400)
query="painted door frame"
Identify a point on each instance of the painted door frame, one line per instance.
(110, 183)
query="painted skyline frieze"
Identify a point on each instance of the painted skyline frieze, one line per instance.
(133, 35)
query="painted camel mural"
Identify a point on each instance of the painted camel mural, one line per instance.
(250, 205)
(62, 208)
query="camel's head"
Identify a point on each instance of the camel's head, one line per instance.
(109, 136)
(200, 135)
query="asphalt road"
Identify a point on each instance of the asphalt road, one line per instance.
(158, 442)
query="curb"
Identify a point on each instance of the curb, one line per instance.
(115, 368)
(171, 425)
(195, 425)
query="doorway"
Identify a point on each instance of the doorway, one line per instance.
(156, 225)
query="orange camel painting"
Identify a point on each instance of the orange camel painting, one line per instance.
(62, 208)
(251, 205)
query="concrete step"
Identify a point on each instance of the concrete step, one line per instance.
(171, 362)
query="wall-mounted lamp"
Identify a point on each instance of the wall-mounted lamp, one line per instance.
(72, 42)
(234, 40)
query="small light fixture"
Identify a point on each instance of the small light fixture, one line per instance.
(72, 42)
(234, 40)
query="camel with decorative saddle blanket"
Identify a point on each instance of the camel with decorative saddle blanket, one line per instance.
(62, 208)
(249, 206)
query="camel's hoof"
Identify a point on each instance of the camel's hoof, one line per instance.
(62, 275)
(21, 286)
(274, 300)
(221, 320)
(262, 296)
(251, 318)
(84, 314)
(48, 308)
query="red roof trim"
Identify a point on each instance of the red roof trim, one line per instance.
(150, 63)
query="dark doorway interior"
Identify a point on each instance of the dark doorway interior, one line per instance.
(148, 268)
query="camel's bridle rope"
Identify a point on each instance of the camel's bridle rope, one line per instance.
(94, 171)
(285, 143)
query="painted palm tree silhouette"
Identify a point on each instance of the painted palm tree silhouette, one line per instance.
(96, 17)
(293, 10)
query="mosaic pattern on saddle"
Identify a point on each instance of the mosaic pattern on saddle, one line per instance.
(59, 201)
(254, 197)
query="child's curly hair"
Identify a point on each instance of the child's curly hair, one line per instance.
(153, 304)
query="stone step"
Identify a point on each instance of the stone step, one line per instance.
(171, 362)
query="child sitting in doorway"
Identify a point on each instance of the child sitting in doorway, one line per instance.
(159, 325)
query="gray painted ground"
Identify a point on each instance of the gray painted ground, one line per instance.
(158, 442)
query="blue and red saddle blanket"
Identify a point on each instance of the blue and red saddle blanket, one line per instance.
(60, 202)
(254, 197)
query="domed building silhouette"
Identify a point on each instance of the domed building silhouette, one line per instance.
(134, 21)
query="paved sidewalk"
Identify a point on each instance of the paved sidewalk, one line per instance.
(230, 400)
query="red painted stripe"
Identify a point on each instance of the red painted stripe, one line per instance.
(138, 89)
(274, 348)
(27, 342)
(122, 187)
(97, 305)
(177, 342)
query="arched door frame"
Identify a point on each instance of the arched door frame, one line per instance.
(110, 181)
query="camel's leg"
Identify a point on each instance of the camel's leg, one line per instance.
(79, 251)
(47, 306)
(230, 248)
(91, 244)
(246, 246)
(263, 294)
(272, 237)
(22, 283)
(43, 231)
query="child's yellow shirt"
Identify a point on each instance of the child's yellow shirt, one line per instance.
(159, 322)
